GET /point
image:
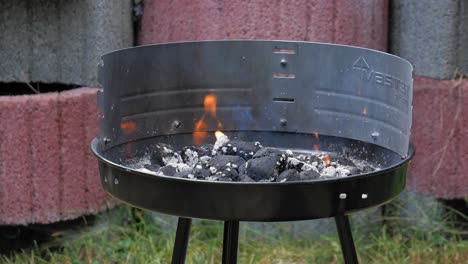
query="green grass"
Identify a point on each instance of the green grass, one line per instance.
(118, 238)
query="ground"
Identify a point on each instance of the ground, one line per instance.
(124, 235)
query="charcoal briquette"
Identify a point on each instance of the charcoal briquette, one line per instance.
(152, 167)
(240, 148)
(221, 162)
(183, 174)
(168, 170)
(163, 154)
(288, 175)
(189, 155)
(309, 175)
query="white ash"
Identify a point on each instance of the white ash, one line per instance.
(180, 166)
(307, 167)
(340, 165)
(213, 170)
(205, 159)
(329, 171)
(192, 157)
(172, 159)
(220, 141)
(342, 172)
(294, 161)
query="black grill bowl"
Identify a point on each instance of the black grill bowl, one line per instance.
(256, 201)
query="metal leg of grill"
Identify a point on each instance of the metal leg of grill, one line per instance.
(346, 239)
(230, 241)
(181, 240)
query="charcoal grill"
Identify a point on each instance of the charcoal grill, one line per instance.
(278, 92)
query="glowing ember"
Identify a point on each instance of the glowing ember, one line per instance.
(326, 159)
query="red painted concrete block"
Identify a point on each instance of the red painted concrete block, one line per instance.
(356, 22)
(47, 170)
(45, 156)
(16, 164)
(440, 133)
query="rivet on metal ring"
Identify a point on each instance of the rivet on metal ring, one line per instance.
(283, 62)
(375, 135)
(283, 121)
(343, 196)
(176, 124)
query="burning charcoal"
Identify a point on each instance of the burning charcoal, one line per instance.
(298, 165)
(205, 159)
(230, 173)
(309, 175)
(152, 167)
(163, 154)
(221, 162)
(204, 150)
(183, 174)
(245, 178)
(288, 175)
(181, 166)
(168, 170)
(221, 140)
(329, 171)
(341, 160)
(201, 173)
(243, 149)
(190, 156)
(266, 163)
(293, 163)
(342, 172)
(225, 179)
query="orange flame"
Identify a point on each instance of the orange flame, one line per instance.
(326, 159)
(209, 104)
(316, 147)
(218, 134)
(128, 127)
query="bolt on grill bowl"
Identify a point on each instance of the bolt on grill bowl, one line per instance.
(280, 93)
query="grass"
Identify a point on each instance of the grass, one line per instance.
(119, 238)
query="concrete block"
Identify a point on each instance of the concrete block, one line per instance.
(432, 35)
(356, 22)
(16, 162)
(47, 171)
(54, 41)
(440, 133)
(73, 159)
(45, 154)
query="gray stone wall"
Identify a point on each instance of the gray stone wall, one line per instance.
(57, 41)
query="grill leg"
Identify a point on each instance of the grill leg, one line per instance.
(346, 239)
(181, 240)
(230, 241)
